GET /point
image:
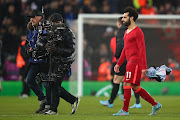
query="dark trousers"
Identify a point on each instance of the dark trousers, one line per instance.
(26, 89)
(56, 90)
(48, 93)
(34, 69)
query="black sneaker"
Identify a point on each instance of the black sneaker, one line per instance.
(41, 107)
(43, 111)
(50, 112)
(75, 105)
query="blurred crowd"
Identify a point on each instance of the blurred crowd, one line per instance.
(13, 23)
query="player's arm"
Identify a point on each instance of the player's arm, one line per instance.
(142, 48)
(120, 61)
(119, 47)
(122, 58)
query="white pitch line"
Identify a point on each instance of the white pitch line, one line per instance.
(19, 115)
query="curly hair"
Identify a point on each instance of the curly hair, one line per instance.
(132, 12)
(29, 26)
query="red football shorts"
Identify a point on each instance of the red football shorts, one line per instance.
(133, 73)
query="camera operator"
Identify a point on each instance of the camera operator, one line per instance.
(36, 65)
(61, 47)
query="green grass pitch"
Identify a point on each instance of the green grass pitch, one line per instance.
(14, 108)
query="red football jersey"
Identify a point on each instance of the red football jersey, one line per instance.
(134, 48)
(113, 47)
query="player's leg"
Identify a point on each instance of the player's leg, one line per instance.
(137, 88)
(137, 98)
(127, 97)
(145, 95)
(122, 92)
(122, 73)
(137, 104)
(115, 88)
(118, 78)
(132, 73)
(106, 103)
(116, 82)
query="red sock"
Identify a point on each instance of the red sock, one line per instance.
(127, 97)
(143, 93)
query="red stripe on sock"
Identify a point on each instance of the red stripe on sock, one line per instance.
(126, 87)
(138, 90)
(144, 94)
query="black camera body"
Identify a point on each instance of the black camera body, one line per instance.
(56, 34)
(50, 34)
(43, 27)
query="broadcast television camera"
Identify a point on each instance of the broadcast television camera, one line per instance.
(48, 34)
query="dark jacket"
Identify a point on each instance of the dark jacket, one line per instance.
(120, 41)
(66, 49)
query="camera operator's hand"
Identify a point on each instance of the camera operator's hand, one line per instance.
(29, 51)
(50, 48)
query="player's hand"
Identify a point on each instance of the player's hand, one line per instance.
(144, 71)
(116, 68)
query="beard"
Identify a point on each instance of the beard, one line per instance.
(127, 23)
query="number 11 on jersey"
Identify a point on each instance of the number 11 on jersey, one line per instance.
(128, 75)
